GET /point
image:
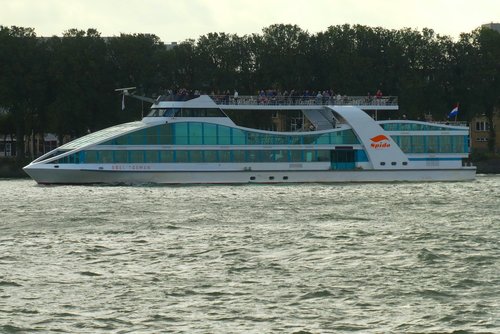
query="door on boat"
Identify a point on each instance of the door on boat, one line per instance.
(342, 159)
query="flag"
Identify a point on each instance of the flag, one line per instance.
(454, 112)
(123, 101)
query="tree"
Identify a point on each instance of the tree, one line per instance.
(222, 62)
(281, 58)
(22, 83)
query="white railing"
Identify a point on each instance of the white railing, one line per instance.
(453, 123)
(305, 100)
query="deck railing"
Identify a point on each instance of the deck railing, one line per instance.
(307, 101)
(453, 123)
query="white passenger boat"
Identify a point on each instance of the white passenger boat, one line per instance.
(207, 139)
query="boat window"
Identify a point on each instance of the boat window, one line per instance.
(107, 156)
(408, 126)
(101, 135)
(163, 112)
(201, 133)
(201, 112)
(154, 113)
(433, 144)
(170, 112)
(120, 156)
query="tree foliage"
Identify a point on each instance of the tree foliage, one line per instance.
(66, 84)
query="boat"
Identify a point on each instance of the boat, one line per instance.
(206, 139)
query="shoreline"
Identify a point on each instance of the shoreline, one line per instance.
(10, 168)
(487, 166)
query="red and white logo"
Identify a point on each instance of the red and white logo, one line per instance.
(380, 142)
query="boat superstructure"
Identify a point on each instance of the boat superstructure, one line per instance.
(211, 139)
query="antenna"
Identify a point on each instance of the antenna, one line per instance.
(128, 92)
(125, 91)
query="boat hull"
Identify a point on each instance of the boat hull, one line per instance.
(73, 176)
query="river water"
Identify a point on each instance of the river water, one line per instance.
(366, 258)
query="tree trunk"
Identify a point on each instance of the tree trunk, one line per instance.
(20, 151)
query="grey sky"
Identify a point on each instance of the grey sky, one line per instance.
(178, 20)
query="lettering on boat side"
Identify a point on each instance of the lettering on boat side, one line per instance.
(130, 167)
(380, 142)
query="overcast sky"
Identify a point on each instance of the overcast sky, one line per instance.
(178, 20)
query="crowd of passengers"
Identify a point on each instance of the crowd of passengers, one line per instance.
(272, 96)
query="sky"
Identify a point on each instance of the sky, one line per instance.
(178, 20)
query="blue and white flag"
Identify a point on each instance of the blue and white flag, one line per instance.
(454, 112)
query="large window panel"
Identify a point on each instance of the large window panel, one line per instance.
(445, 144)
(310, 156)
(432, 144)
(459, 144)
(405, 143)
(419, 144)
(90, 157)
(323, 155)
(225, 156)
(224, 135)
(210, 134)
(166, 156)
(166, 134)
(195, 133)
(239, 137)
(151, 135)
(181, 134)
(253, 156)
(151, 156)
(238, 156)
(182, 156)
(196, 156)
(211, 156)
(137, 138)
(323, 139)
(120, 157)
(297, 155)
(136, 157)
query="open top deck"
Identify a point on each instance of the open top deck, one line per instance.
(290, 102)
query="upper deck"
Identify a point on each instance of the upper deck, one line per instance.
(288, 102)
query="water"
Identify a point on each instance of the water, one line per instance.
(366, 258)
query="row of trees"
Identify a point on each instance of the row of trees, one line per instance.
(65, 85)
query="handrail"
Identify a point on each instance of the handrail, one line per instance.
(452, 123)
(305, 100)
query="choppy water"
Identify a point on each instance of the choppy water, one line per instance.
(367, 258)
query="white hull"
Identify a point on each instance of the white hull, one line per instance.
(61, 176)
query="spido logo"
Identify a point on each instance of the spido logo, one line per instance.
(379, 142)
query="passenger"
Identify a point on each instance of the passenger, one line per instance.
(319, 97)
(236, 96)
(262, 97)
(326, 97)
